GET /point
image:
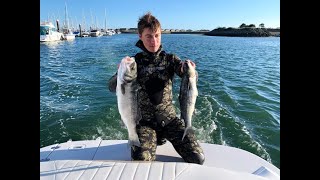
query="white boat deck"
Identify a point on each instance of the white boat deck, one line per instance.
(114, 155)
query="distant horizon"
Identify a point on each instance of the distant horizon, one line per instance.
(177, 14)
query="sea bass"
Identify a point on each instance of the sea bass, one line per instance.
(127, 97)
(188, 94)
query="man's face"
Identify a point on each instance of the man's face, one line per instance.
(151, 40)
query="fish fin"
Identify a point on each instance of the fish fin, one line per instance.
(139, 117)
(182, 67)
(197, 76)
(138, 113)
(122, 123)
(123, 88)
(187, 131)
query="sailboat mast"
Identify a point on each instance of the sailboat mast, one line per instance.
(66, 16)
(105, 20)
(96, 25)
(91, 20)
(84, 21)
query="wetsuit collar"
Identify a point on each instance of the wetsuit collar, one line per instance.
(140, 45)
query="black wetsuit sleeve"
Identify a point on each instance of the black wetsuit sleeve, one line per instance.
(112, 83)
(177, 63)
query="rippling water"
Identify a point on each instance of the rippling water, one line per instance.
(239, 89)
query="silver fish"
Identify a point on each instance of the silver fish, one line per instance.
(127, 97)
(188, 94)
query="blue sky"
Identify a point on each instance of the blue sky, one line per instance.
(173, 14)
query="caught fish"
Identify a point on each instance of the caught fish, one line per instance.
(188, 94)
(126, 92)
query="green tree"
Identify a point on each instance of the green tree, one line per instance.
(261, 25)
(243, 25)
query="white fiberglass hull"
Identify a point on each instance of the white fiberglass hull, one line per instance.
(49, 38)
(222, 162)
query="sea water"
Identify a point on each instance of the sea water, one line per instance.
(239, 89)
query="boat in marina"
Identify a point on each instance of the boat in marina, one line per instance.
(106, 31)
(68, 34)
(111, 159)
(95, 33)
(67, 31)
(48, 32)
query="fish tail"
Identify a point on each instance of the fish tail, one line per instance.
(187, 131)
(134, 141)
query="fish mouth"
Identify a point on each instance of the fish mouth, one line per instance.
(129, 78)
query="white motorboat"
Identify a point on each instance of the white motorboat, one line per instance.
(111, 159)
(107, 33)
(48, 32)
(68, 34)
(95, 33)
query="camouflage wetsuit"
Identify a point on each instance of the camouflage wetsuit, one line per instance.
(155, 76)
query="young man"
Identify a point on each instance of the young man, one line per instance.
(155, 70)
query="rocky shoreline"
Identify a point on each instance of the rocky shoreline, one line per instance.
(232, 32)
(244, 32)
